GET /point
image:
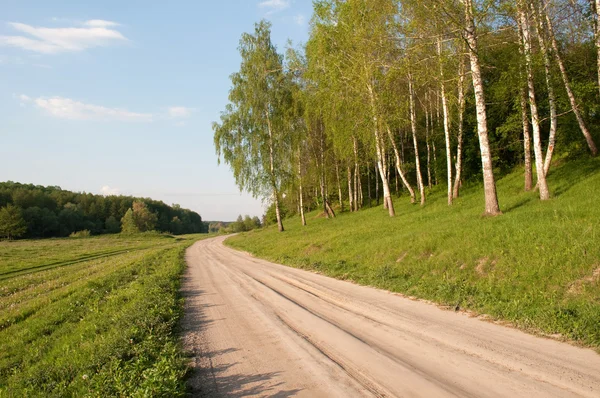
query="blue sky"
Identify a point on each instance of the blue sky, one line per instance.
(119, 96)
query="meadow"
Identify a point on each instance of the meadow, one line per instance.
(92, 317)
(537, 266)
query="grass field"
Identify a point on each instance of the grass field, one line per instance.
(537, 265)
(92, 317)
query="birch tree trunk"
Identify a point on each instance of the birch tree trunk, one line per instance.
(339, 184)
(491, 198)
(399, 167)
(380, 150)
(525, 119)
(413, 125)
(429, 184)
(526, 139)
(272, 175)
(567, 84)
(597, 36)
(540, 32)
(350, 195)
(461, 116)
(356, 172)
(376, 185)
(300, 193)
(446, 115)
(535, 119)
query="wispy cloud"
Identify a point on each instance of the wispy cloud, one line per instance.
(67, 108)
(299, 19)
(177, 112)
(274, 6)
(108, 191)
(100, 23)
(94, 33)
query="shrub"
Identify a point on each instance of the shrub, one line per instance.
(81, 234)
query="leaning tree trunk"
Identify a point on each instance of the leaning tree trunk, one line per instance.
(461, 116)
(525, 119)
(539, 27)
(387, 197)
(399, 168)
(413, 125)
(535, 119)
(489, 183)
(567, 84)
(446, 115)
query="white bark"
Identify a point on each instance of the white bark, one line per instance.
(491, 197)
(446, 115)
(535, 119)
(399, 168)
(540, 31)
(461, 115)
(380, 150)
(272, 173)
(413, 125)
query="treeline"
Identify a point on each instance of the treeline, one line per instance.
(393, 97)
(41, 212)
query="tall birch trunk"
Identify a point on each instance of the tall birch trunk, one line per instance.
(272, 174)
(446, 115)
(461, 116)
(376, 185)
(429, 183)
(350, 194)
(339, 184)
(567, 84)
(597, 37)
(356, 172)
(489, 183)
(380, 150)
(540, 32)
(300, 193)
(525, 119)
(535, 119)
(413, 125)
(399, 167)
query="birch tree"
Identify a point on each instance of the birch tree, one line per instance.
(251, 136)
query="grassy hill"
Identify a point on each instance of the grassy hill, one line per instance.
(537, 265)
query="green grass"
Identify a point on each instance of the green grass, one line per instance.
(92, 317)
(537, 265)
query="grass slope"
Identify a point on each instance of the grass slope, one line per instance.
(537, 265)
(92, 317)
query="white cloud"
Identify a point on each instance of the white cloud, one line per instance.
(179, 112)
(108, 191)
(100, 23)
(181, 124)
(299, 19)
(96, 33)
(274, 5)
(66, 108)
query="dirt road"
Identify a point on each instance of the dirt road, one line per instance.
(262, 329)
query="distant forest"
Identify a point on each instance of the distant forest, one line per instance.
(54, 212)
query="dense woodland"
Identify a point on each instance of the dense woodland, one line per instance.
(394, 97)
(34, 211)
